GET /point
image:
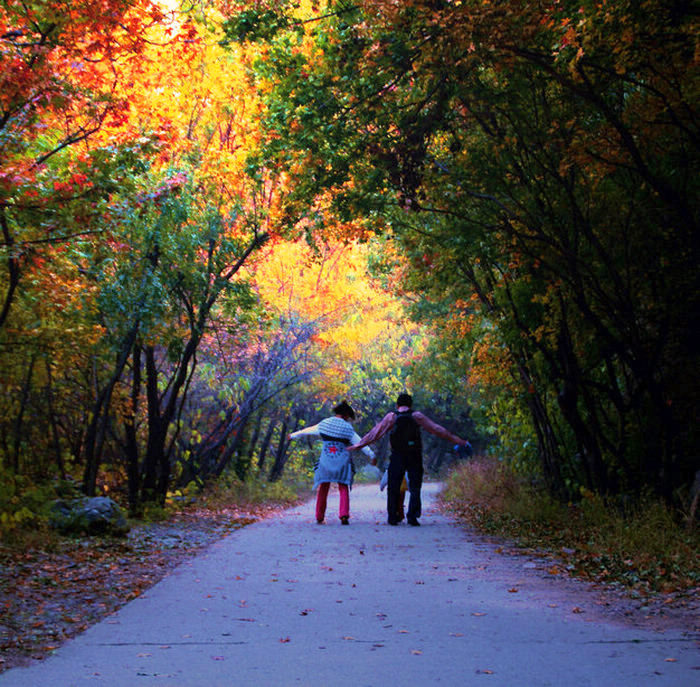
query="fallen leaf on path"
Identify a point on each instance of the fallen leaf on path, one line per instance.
(416, 652)
(456, 634)
(403, 632)
(484, 672)
(576, 609)
(86, 579)
(218, 658)
(285, 640)
(513, 590)
(478, 615)
(349, 638)
(671, 660)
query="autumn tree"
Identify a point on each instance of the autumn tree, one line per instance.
(60, 70)
(60, 160)
(538, 166)
(122, 210)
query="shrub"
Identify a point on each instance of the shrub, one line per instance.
(643, 545)
(23, 504)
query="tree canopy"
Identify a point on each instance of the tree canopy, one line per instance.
(537, 164)
(220, 218)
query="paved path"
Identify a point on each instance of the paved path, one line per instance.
(288, 602)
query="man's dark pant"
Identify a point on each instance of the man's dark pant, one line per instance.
(412, 467)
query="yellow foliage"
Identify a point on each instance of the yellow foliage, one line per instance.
(356, 319)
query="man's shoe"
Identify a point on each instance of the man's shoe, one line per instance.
(393, 523)
(413, 522)
(319, 521)
(344, 520)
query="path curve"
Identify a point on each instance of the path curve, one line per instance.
(288, 602)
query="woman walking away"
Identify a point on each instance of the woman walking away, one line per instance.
(335, 462)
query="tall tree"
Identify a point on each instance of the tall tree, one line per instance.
(538, 165)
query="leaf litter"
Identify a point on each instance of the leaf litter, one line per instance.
(48, 596)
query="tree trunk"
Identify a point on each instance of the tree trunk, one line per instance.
(156, 440)
(265, 446)
(13, 268)
(282, 452)
(280, 455)
(96, 428)
(254, 439)
(52, 419)
(20, 415)
(132, 448)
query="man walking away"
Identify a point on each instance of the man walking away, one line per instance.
(406, 454)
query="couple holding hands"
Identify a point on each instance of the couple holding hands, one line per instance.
(339, 439)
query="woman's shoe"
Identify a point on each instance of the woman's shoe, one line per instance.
(344, 519)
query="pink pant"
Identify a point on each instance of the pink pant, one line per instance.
(322, 500)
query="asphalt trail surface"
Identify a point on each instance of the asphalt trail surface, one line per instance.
(288, 602)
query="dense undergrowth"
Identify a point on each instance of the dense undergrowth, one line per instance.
(25, 506)
(646, 547)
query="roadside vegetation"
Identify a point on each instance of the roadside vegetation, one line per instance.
(647, 547)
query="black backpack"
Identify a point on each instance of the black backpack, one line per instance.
(405, 436)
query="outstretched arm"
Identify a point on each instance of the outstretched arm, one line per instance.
(377, 432)
(434, 428)
(308, 431)
(365, 449)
